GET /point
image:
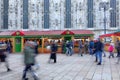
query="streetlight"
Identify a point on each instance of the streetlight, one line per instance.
(104, 5)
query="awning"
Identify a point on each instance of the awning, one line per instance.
(47, 33)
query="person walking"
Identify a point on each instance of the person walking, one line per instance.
(118, 54)
(3, 55)
(80, 47)
(86, 47)
(29, 60)
(116, 47)
(111, 49)
(91, 47)
(36, 53)
(68, 48)
(104, 54)
(95, 50)
(99, 47)
(72, 47)
(54, 48)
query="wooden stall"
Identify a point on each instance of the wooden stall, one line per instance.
(44, 38)
(110, 38)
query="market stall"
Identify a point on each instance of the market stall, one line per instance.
(44, 38)
(110, 38)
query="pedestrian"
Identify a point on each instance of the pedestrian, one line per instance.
(99, 49)
(104, 54)
(29, 60)
(9, 46)
(116, 47)
(71, 47)
(111, 49)
(91, 47)
(68, 48)
(3, 55)
(54, 48)
(95, 50)
(80, 47)
(36, 53)
(86, 47)
(118, 54)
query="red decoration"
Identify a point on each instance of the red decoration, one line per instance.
(110, 34)
(18, 33)
(67, 32)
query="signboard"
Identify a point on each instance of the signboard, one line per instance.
(107, 39)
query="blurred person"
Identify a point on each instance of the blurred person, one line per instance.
(9, 46)
(29, 59)
(95, 50)
(72, 47)
(116, 47)
(86, 47)
(91, 47)
(36, 53)
(54, 48)
(104, 50)
(63, 47)
(111, 49)
(3, 56)
(68, 48)
(99, 49)
(81, 47)
(118, 54)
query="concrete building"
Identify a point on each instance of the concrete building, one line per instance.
(101, 16)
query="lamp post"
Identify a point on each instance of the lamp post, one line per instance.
(104, 5)
(104, 18)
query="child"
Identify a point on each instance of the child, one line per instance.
(110, 49)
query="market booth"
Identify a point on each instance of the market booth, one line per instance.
(110, 38)
(44, 38)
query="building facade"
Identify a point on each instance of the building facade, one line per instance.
(100, 16)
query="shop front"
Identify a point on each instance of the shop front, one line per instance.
(44, 38)
(110, 38)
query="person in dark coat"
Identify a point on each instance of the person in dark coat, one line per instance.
(118, 54)
(99, 49)
(54, 48)
(117, 47)
(95, 50)
(36, 47)
(3, 55)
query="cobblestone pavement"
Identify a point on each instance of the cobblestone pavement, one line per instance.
(67, 68)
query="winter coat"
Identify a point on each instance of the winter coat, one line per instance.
(99, 46)
(54, 48)
(29, 55)
(111, 48)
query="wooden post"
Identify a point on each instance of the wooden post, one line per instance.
(42, 44)
(13, 39)
(22, 43)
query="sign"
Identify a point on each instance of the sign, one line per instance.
(108, 39)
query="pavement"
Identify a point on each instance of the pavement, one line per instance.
(73, 67)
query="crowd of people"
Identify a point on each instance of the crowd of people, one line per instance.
(93, 47)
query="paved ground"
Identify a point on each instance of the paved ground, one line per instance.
(67, 68)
